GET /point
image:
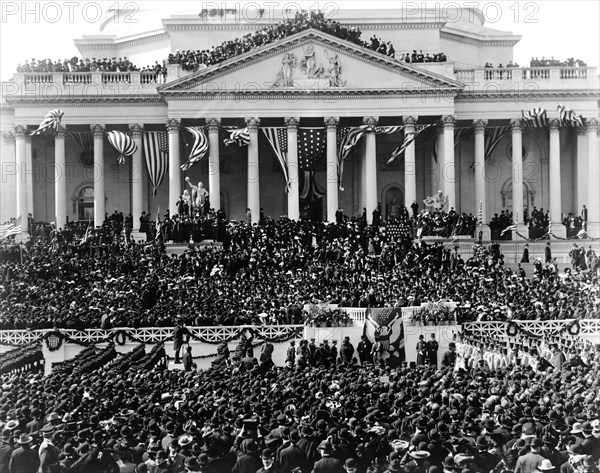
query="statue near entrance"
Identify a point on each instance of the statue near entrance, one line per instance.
(436, 202)
(199, 196)
(393, 209)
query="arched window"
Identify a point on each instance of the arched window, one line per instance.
(85, 203)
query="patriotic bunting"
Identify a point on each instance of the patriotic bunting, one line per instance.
(50, 122)
(536, 117)
(408, 139)
(480, 214)
(277, 137)
(156, 151)
(311, 148)
(568, 118)
(347, 138)
(84, 140)
(493, 136)
(199, 149)
(510, 228)
(123, 143)
(241, 136)
(12, 228)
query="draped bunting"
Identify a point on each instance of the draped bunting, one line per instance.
(408, 139)
(277, 137)
(199, 148)
(123, 143)
(156, 151)
(311, 148)
(568, 118)
(84, 139)
(50, 122)
(536, 117)
(493, 136)
(241, 136)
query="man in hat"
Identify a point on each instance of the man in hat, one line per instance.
(530, 462)
(347, 351)
(6, 449)
(292, 457)
(268, 461)
(449, 357)
(546, 466)
(48, 452)
(432, 350)
(192, 465)
(327, 464)
(23, 458)
(179, 332)
(421, 350)
(364, 349)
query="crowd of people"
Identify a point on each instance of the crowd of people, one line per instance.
(77, 64)
(78, 277)
(192, 60)
(339, 414)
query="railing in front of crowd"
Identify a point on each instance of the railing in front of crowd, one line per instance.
(496, 329)
(98, 77)
(525, 74)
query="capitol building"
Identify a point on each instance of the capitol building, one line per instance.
(288, 105)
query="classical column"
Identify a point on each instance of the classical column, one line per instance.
(99, 212)
(370, 168)
(253, 169)
(449, 170)
(28, 172)
(137, 171)
(517, 171)
(581, 185)
(555, 190)
(410, 165)
(21, 162)
(439, 172)
(60, 179)
(173, 126)
(8, 171)
(332, 168)
(214, 176)
(593, 203)
(293, 192)
(479, 126)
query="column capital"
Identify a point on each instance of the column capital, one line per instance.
(516, 125)
(20, 131)
(372, 121)
(173, 125)
(252, 123)
(591, 124)
(554, 124)
(97, 130)
(581, 130)
(136, 130)
(448, 121)
(331, 122)
(213, 124)
(480, 125)
(9, 137)
(291, 122)
(410, 120)
(61, 131)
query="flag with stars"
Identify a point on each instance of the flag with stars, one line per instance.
(277, 138)
(384, 326)
(311, 149)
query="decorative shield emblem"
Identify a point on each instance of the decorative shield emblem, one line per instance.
(53, 341)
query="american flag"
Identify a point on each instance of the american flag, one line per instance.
(11, 228)
(408, 139)
(277, 137)
(480, 214)
(388, 130)
(493, 136)
(241, 136)
(536, 117)
(85, 140)
(50, 122)
(199, 148)
(510, 228)
(311, 148)
(156, 150)
(568, 117)
(347, 138)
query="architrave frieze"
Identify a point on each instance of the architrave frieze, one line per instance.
(310, 95)
(85, 101)
(525, 95)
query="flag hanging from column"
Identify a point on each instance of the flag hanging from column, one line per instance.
(199, 148)
(277, 137)
(84, 139)
(156, 152)
(311, 149)
(535, 118)
(568, 118)
(123, 143)
(408, 139)
(241, 136)
(493, 136)
(50, 122)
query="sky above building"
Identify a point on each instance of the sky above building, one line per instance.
(47, 29)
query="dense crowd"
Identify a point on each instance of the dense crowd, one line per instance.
(544, 62)
(192, 60)
(341, 415)
(76, 64)
(79, 278)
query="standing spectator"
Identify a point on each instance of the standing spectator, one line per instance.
(548, 253)
(449, 357)
(48, 452)
(525, 257)
(327, 464)
(6, 449)
(364, 349)
(421, 350)
(179, 332)
(558, 358)
(530, 462)
(347, 351)
(24, 459)
(188, 359)
(432, 350)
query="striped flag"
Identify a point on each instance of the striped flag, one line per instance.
(510, 228)
(12, 228)
(480, 214)
(347, 138)
(241, 136)
(568, 118)
(123, 143)
(493, 136)
(156, 151)
(86, 236)
(5, 228)
(50, 122)
(85, 140)
(536, 117)
(311, 148)
(388, 130)
(277, 137)
(408, 139)
(199, 149)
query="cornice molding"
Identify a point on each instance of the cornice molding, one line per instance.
(477, 42)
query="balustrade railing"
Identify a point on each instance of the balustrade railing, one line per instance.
(38, 78)
(112, 77)
(524, 73)
(77, 78)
